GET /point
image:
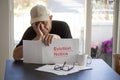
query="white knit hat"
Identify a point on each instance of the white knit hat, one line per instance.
(39, 13)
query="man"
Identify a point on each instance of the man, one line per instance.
(41, 29)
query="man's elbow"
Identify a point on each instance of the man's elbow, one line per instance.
(18, 53)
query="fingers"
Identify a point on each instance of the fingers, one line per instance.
(38, 30)
(43, 29)
(47, 39)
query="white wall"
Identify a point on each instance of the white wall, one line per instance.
(4, 35)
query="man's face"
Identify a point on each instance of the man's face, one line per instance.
(46, 26)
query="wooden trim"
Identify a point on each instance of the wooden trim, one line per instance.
(117, 63)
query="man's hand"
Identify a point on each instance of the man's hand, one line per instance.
(38, 31)
(43, 34)
(47, 39)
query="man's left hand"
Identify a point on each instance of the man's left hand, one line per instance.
(48, 38)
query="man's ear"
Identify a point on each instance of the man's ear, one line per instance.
(33, 24)
(51, 17)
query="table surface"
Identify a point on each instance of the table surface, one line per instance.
(17, 70)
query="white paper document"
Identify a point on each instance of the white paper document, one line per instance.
(50, 69)
(59, 51)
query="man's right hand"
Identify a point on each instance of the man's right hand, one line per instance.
(38, 31)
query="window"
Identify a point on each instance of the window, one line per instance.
(102, 28)
(102, 11)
